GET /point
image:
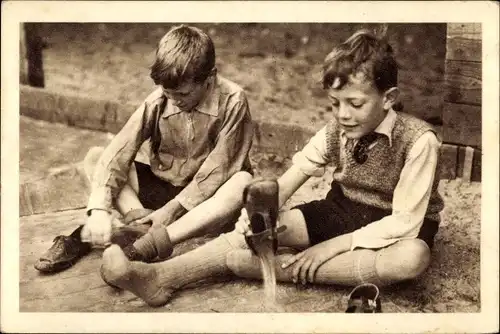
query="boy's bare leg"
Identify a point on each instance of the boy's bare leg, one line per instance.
(214, 212)
(401, 261)
(127, 199)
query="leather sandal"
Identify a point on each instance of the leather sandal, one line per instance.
(364, 298)
(64, 253)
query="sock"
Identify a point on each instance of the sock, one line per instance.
(155, 243)
(145, 246)
(155, 282)
(203, 262)
(350, 268)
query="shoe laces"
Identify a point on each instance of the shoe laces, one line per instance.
(61, 243)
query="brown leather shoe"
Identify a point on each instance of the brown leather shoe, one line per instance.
(64, 253)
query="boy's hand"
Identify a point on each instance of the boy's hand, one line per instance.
(160, 216)
(243, 224)
(97, 229)
(165, 215)
(307, 262)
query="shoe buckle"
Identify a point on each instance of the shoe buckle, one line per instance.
(364, 298)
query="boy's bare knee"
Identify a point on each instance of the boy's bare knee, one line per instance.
(241, 179)
(405, 260)
(229, 190)
(418, 257)
(90, 160)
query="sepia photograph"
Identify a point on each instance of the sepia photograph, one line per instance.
(232, 173)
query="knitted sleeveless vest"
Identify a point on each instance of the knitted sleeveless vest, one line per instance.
(374, 181)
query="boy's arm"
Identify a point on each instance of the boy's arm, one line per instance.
(111, 170)
(310, 161)
(227, 158)
(410, 201)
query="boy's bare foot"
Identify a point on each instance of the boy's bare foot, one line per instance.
(139, 278)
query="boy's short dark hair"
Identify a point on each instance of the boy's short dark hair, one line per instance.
(362, 52)
(185, 53)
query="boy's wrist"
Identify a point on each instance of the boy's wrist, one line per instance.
(89, 211)
(175, 208)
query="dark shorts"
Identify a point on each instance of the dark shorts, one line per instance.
(153, 191)
(336, 215)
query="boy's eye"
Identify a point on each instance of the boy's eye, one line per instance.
(334, 102)
(356, 104)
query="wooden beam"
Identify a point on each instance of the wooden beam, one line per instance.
(463, 82)
(462, 124)
(464, 30)
(463, 41)
(459, 48)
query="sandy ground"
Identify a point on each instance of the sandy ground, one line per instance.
(450, 285)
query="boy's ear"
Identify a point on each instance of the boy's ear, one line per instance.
(391, 97)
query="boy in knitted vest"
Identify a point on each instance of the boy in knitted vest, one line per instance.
(377, 223)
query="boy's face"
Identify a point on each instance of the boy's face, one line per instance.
(358, 107)
(188, 95)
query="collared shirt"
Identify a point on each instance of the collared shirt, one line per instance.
(410, 198)
(198, 150)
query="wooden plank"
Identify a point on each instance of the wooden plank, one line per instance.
(65, 189)
(448, 162)
(476, 166)
(463, 82)
(474, 174)
(459, 48)
(34, 46)
(462, 124)
(464, 30)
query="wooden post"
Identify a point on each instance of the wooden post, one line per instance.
(23, 58)
(32, 63)
(462, 107)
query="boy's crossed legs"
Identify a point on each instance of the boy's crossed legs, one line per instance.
(228, 253)
(211, 215)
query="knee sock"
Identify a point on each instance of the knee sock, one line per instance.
(154, 283)
(203, 262)
(350, 268)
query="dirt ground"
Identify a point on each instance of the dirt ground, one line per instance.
(275, 64)
(450, 285)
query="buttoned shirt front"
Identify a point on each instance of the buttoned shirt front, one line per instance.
(198, 150)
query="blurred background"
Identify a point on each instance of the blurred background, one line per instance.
(276, 63)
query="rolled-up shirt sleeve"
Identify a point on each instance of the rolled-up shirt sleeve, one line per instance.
(410, 201)
(228, 157)
(112, 169)
(312, 159)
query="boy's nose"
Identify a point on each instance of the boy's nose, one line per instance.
(344, 112)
